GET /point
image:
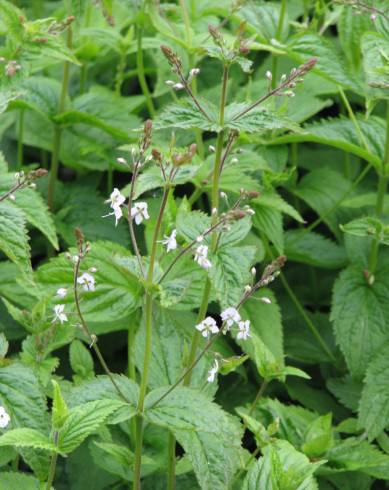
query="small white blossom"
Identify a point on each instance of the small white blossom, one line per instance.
(75, 259)
(269, 75)
(170, 241)
(373, 17)
(234, 160)
(207, 327)
(116, 198)
(212, 372)
(178, 86)
(12, 197)
(59, 313)
(194, 72)
(253, 271)
(214, 211)
(170, 83)
(266, 300)
(92, 270)
(87, 281)
(139, 212)
(247, 289)
(122, 161)
(201, 257)
(62, 292)
(199, 239)
(223, 195)
(211, 148)
(244, 330)
(230, 316)
(4, 418)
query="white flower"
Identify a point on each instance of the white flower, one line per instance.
(75, 259)
(170, 241)
(116, 199)
(269, 75)
(207, 326)
(62, 292)
(230, 316)
(92, 270)
(59, 313)
(199, 239)
(4, 418)
(87, 281)
(178, 86)
(139, 212)
(212, 372)
(201, 257)
(244, 330)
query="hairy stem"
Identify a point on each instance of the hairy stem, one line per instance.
(140, 63)
(20, 140)
(53, 465)
(57, 129)
(281, 19)
(148, 345)
(129, 219)
(382, 186)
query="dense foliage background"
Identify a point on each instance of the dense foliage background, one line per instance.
(303, 402)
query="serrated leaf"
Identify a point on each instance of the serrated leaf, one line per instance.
(27, 438)
(230, 272)
(16, 481)
(13, 236)
(269, 222)
(83, 420)
(319, 437)
(373, 413)
(81, 359)
(368, 226)
(59, 411)
(313, 249)
(360, 313)
(4, 345)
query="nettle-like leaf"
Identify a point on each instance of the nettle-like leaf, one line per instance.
(15, 481)
(314, 249)
(330, 62)
(27, 438)
(319, 437)
(368, 226)
(374, 407)
(59, 411)
(230, 272)
(353, 454)
(341, 133)
(281, 467)
(376, 63)
(83, 420)
(31, 203)
(118, 289)
(210, 437)
(81, 360)
(360, 313)
(13, 236)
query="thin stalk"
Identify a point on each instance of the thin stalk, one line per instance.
(88, 333)
(148, 345)
(129, 219)
(20, 140)
(171, 475)
(382, 186)
(215, 205)
(361, 137)
(280, 25)
(299, 306)
(131, 372)
(53, 465)
(57, 129)
(83, 77)
(140, 63)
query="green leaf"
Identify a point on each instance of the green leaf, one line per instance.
(373, 414)
(13, 236)
(308, 247)
(29, 438)
(272, 200)
(269, 222)
(330, 63)
(281, 468)
(341, 133)
(204, 430)
(16, 481)
(354, 454)
(319, 437)
(230, 272)
(376, 63)
(83, 420)
(368, 226)
(347, 390)
(323, 199)
(351, 28)
(117, 292)
(59, 410)
(81, 360)
(360, 313)
(4, 345)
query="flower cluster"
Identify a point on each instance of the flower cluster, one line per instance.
(139, 210)
(201, 255)
(230, 317)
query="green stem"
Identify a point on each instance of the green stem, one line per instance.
(280, 25)
(53, 464)
(131, 372)
(382, 186)
(215, 206)
(140, 64)
(57, 128)
(171, 475)
(83, 77)
(148, 345)
(361, 137)
(20, 140)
